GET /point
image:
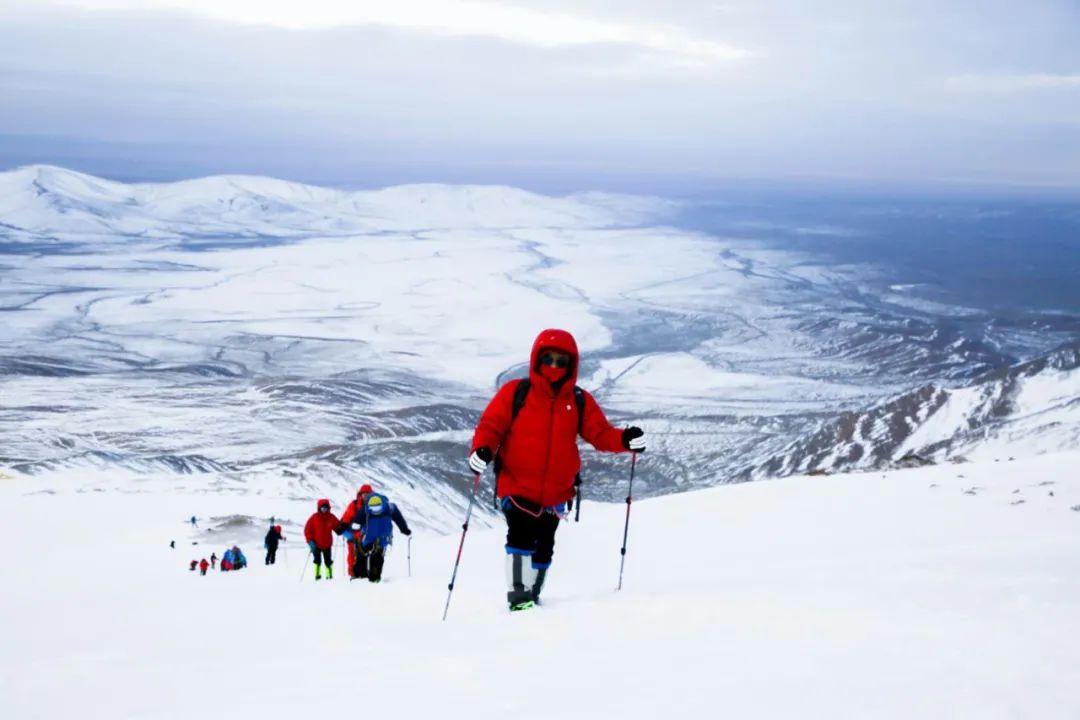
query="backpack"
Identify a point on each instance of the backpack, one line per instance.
(521, 391)
(378, 522)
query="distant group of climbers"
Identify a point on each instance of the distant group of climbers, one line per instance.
(367, 525)
(233, 559)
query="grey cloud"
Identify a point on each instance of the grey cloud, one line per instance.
(840, 89)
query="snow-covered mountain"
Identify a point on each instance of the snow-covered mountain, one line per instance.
(244, 333)
(39, 202)
(1030, 407)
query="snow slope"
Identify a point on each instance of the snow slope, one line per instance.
(934, 593)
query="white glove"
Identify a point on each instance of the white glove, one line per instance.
(479, 460)
(633, 439)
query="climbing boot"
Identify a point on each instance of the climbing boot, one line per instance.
(540, 574)
(517, 592)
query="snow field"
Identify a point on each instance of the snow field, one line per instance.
(893, 596)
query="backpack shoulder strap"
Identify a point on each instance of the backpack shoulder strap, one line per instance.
(521, 391)
(579, 400)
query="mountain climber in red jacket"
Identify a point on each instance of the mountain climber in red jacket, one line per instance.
(536, 456)
(356, 570)
(203, 567)
(319, 534)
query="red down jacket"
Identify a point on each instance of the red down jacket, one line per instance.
(321, 526)
(539, 454)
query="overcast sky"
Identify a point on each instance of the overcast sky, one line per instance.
(911, 91)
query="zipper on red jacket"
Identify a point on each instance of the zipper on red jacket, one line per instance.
(547, 453)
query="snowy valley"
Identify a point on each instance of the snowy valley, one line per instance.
(242, 334)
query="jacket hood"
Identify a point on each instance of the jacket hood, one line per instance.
(322, 501)
(556, 340)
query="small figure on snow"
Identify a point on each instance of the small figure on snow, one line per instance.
(213, 560)
(273, 537)
(172, 544)
(233, 559)
(368, 523)
(194, 564)
(193, 523)
(319, 534)
(203, 567)
(530, 429)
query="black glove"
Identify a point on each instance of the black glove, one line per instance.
(406, 532)
(480, 459)
(633, 438)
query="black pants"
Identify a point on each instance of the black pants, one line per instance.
(530, 532)
(271, 554)
(368, 563)
(325, 555)
(376, 557)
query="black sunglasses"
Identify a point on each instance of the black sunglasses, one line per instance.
(560, 361)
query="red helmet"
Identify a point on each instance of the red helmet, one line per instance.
(364, 490)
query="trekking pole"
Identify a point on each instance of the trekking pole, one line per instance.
(626, 527)
(461, 545)
(577, 499)
(408, 554)
(303, 570)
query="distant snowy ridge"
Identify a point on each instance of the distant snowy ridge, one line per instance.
(42, 200)
(1029, 408)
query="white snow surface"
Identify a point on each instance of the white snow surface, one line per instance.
(944, 592)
